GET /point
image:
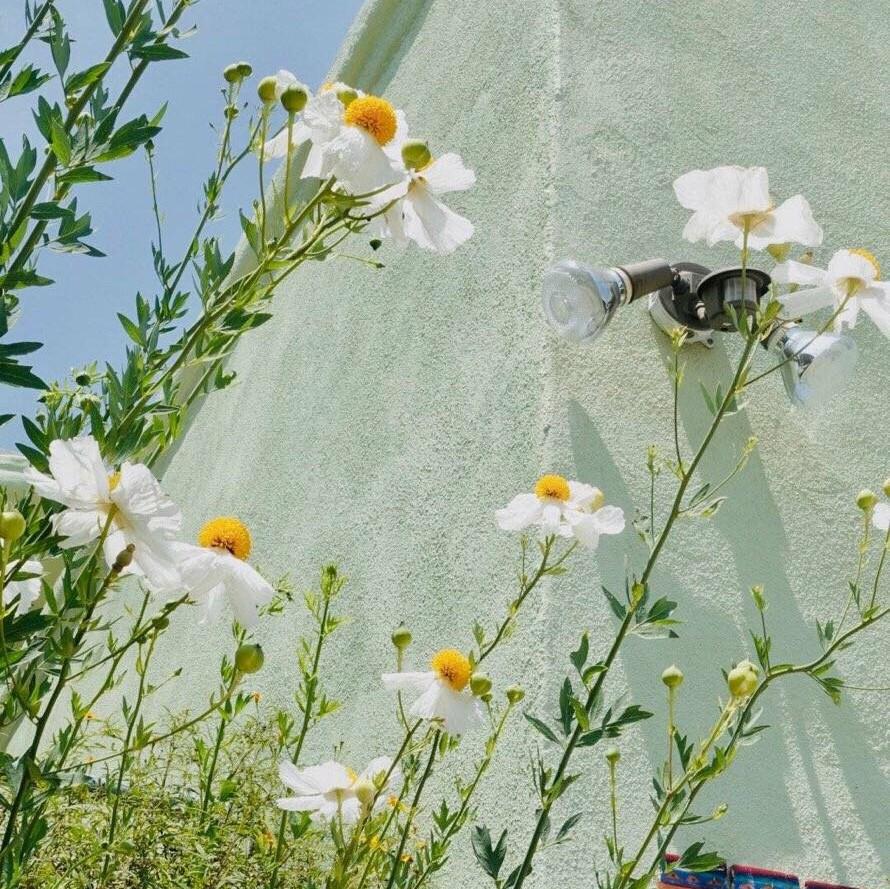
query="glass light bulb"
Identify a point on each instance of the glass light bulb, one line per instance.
(817, 366)
(579, 300)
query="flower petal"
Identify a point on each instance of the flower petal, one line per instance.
(523, 510)
(448, 173)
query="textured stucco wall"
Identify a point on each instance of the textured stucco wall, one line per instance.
(383, 416)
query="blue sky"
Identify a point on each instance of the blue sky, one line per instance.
(76, 317)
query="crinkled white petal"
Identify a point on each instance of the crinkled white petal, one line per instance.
(792, 221)
(78, 526)
(802, 302)
(876, 304)
(551, 516)
(725, 190)
(432, 225)
(28, 590)
(880, 517)
(301, 803)
(246, 589)
(523, 510)
(587, 531)
(583, 496)
(408, 681)
(791, 272)
(138, 495)
(78, 475)
(846, 264)
(448, 173)
(458, 711)
(359, 163)
(610, 519)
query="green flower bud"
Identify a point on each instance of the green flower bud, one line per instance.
(245, 69)
(886, 487)
(515, 694)
(12, 525)
(401, 637)
(231, 74)
(416, 154)
(347, 96)
(672, 677)
(266, 90)
(249, 658)
(613, 756)
(637, 591)
(742, 680)
(294, 98)
(124, 557)
(866, 500)
(161, 622)
(83, 379)
(480, 684)
(365, 791)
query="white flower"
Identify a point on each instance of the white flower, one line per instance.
(880, 517)
(328, 790)
(726, 199)
(28, 590)
(419, 215)
(217, 571)
(565, 508)
(348, 141)
(140, 513)
(444, 695)
(850, 281)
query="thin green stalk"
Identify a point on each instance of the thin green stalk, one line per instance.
(125, 760)
(211, 772)
(397, 861)
(547, 803)
(36, 22)
(613, 801)
(309, 704)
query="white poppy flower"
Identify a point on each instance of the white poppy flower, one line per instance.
(565, 508)
(348, 140)
(444, 695)
(328, 790)
(216, 571)
(28, 590)
(418, 215)
(880, 517)
(850, 283)
(140, 513)
(726, 199)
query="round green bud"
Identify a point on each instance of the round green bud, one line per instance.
(886, 487)
(365, 791)
(613, 756)
(401, 637)
(294, 98)
(266, 90)
(480, 684)
(672, 677)
(742, 680)
(83, 379)
(515, 694)
(416, 154)
(866, 500)
(249, 658)
(124, 557)
(231, 74)
(245, 69)
(347, 96)
(12, 525)
(161, 622)
(637, 591)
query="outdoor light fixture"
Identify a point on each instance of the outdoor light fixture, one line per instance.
(580, 300)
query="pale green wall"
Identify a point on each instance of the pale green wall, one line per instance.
(384, 416)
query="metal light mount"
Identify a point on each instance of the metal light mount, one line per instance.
(703, 301)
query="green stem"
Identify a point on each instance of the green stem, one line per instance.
(544, 812)
(397, 861)
(125, 760)
(36, 22)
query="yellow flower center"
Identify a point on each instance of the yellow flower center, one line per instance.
(552, 487)
(226, 532)
(870, 257)
(374, 115)
(452, 667)
(114, 480)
